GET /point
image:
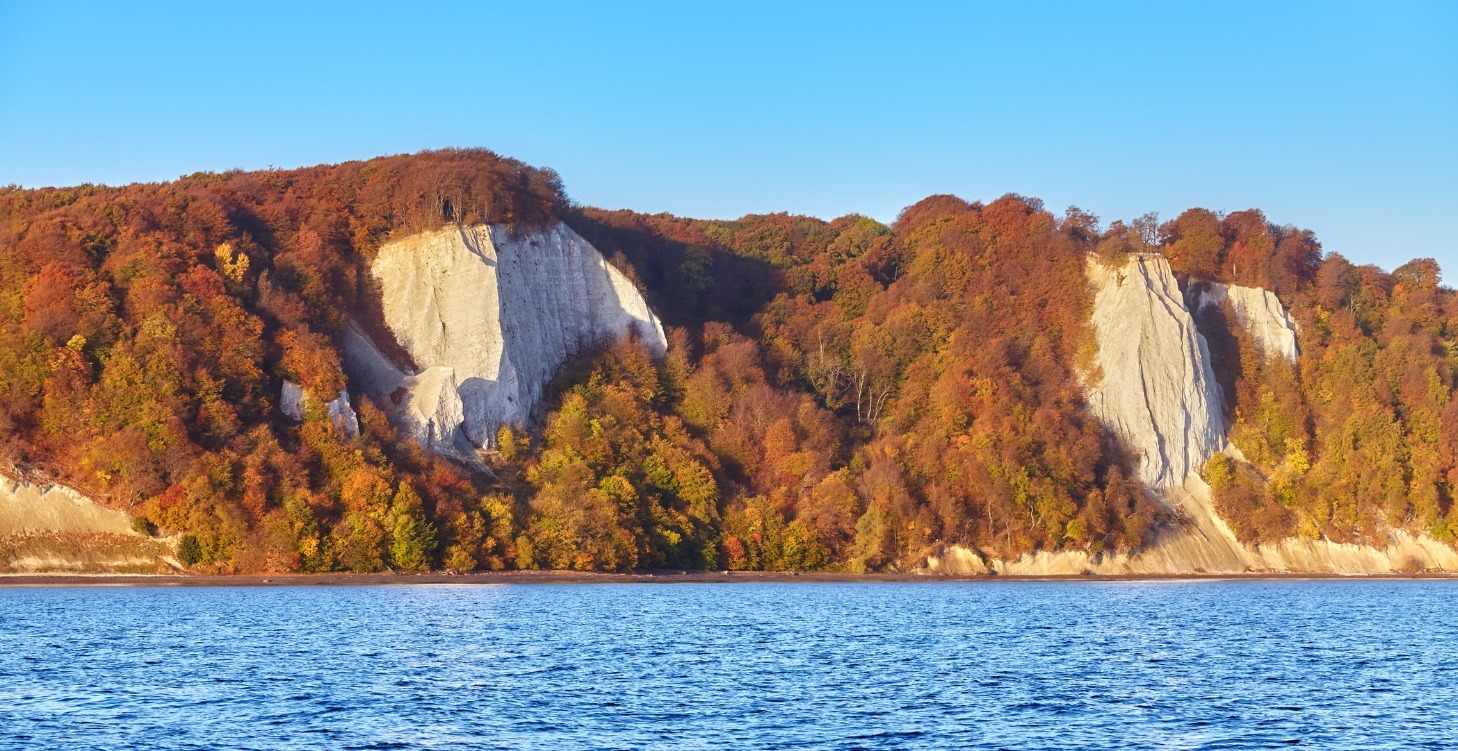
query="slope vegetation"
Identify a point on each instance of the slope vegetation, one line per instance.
(795, 393)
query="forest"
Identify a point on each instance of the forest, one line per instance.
(840, 395)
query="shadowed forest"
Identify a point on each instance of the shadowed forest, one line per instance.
(840, 395)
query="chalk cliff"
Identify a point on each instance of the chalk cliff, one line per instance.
(54, 528)
(1156, 390)
(488, 317)
(1154, 386)
(1260, 312)
(293, 400)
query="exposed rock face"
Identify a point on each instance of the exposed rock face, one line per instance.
(1155, 388)
(54, 528)
(1261, 313)
(27, 508)
(489, 317)
(293, 399)
(432, 410)
(1157, 391)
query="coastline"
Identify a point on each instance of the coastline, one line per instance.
(646, 577)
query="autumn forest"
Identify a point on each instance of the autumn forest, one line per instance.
(839, 395)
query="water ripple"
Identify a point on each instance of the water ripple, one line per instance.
(1038, 665)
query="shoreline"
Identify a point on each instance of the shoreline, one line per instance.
(645, 577)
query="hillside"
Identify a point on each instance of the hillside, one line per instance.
(480, 375)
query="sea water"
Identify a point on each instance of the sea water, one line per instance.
(1018, 665)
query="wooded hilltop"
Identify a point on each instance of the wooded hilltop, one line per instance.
(837, 395)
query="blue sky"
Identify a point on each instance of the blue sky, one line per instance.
(1340, 117)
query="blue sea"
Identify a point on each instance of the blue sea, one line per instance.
(996, 665)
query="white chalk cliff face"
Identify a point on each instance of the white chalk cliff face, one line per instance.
(1155, 387)
(489, 316)
(46, 527)
(293, 399)
(1158, 392)
(1260, 312)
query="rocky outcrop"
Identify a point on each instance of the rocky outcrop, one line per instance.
(426, 405)
(1203, 544)
(55, 528)
(1154, 386)
(432, 410)
(293, 400)
(488, 317)
(1260, 312)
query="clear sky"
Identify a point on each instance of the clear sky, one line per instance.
(1340, 117)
